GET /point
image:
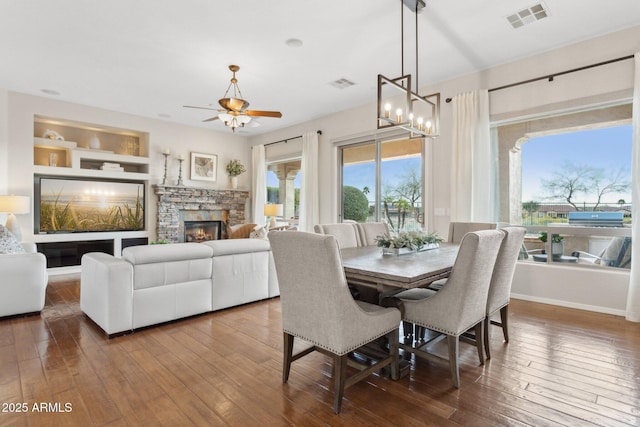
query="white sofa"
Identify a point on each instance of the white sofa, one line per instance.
(24, 282)
(159, 283)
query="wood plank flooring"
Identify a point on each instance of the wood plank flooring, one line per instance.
(562, 367)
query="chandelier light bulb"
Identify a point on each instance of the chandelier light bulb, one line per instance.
(399, 115)
(420, 122)
(428, 124)
(387, 110)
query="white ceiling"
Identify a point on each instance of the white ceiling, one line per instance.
(151, 57)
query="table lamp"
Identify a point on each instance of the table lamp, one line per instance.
(273, 210)
(14, 205)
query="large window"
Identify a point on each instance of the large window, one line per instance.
(577, 171)
(569, 184)
(382, 181)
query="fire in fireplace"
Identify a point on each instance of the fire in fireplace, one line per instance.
(201, 231)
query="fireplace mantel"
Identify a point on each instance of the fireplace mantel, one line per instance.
(174, 200)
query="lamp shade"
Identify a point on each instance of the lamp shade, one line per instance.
(273, 210)
(15, 204)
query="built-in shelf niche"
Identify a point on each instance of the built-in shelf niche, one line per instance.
(76, 155)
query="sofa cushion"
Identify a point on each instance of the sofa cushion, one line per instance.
(237, 246)
(8, 242)
(163, 253)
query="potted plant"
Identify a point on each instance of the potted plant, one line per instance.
(407, 242)
(235, 168)
(557, 247)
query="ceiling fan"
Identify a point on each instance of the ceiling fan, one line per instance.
(234, 111)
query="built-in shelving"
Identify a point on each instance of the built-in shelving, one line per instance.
(83, 149)
(69, 148)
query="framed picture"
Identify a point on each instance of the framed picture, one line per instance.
(204, 167)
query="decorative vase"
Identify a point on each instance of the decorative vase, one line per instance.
(94, 142)
(234, 182)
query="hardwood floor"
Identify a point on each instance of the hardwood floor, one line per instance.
(562, 367)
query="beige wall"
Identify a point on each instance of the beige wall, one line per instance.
(591, 87)
(574, 90)
(180, 139)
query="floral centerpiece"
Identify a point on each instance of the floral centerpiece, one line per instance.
(235, 168)
(407, 242)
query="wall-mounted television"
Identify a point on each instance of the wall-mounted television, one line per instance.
(72, 205)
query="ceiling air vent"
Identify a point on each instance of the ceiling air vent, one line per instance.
(527, 16)
(342, 83)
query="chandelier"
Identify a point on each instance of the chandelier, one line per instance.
(399, 104)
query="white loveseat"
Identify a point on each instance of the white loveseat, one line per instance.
(159, 283)
(23, 281)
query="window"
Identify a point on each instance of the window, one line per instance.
(565, 171)
(576, 171)
(283, 187)
(382, 181)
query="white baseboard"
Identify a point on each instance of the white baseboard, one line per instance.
(568, 304)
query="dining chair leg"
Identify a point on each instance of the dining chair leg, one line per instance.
(487, 337)
(288, 356)
(394, 338)
(339, 374)
(504, 319)
(478, 329)
(454, 344)
(407, 329)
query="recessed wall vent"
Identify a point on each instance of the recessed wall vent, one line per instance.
(528, 15)
(342, 83)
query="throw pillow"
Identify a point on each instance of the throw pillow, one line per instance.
(241, 231)
(259, 233)
(8, 242)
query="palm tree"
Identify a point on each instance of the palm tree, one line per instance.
(531, 207)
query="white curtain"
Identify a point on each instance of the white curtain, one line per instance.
(259, 168)
(633, 299)
(309, 187)
(472, 175)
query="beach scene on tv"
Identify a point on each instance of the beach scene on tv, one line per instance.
(77, 205)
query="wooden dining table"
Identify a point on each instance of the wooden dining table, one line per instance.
(368, 267)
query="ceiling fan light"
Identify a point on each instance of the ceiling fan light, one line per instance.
(243, 120)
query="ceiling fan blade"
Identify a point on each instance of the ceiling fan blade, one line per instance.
(211, 119)
(276, 114)
(201, 108)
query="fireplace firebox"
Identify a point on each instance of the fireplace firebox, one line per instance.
(202, 231)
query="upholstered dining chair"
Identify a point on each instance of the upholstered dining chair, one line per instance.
(457, 230)
(461, 304)
(345, 233)
(501, 280)
(370, 230)
(318, 308)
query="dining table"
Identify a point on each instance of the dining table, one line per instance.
(368, 267)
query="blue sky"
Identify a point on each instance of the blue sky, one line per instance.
(608, 148)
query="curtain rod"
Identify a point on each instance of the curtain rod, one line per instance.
(550, 77)
(319, 132)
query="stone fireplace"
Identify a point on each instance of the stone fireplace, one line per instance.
(178, 204)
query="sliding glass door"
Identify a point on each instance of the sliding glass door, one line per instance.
(383, 181)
